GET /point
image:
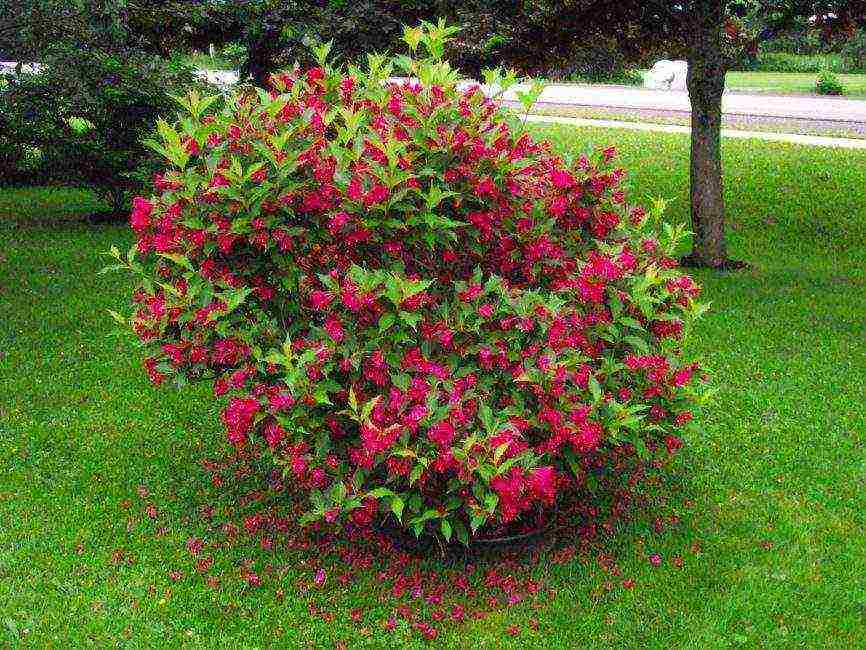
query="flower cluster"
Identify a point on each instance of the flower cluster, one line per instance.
(421, 310)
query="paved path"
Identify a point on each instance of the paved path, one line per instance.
(809, 140)
(800, 107)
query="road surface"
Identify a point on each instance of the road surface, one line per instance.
(847, 113)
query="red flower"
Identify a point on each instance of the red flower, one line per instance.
(542, 483)
(588, 436)
(561, 179)
(334, 329)
(141, 211)
(442, 433)
(315, 75)
(274, 433)
(238, 418)
(377, 194)
(321, 300)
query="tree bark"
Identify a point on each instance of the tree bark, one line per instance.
(706, 84)
(262, 49)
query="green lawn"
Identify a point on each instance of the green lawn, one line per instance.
(788, 82)
(772, 531)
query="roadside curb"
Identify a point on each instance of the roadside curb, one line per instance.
(792, 138)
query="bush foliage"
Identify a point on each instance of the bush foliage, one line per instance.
(81, 119)
(420, 310)
(797, 63)
(829, 84)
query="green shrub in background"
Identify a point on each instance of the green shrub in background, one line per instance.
(598, 62)
(234, 53)
(79, 122)
(854, 51)
(798, 63)
(829, 84)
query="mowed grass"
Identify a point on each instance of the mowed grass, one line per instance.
(773, 547)
(788, 82)
(791, 82)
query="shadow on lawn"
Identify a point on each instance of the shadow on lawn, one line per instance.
(242, 534)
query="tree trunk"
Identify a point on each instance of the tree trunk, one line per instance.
(262, 49)
(706, 84)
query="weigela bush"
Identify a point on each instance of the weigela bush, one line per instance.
(423, 312)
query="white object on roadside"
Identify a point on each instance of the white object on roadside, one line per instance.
(220, 78)
(667, 75)
(11, 67)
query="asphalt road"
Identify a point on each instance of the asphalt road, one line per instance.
(734, 104)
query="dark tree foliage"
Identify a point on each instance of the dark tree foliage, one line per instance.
(711, 34)
(80, 120)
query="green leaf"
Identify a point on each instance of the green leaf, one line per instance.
(338, 493)
(181, 260)
(120, 319)
(411, 318)
(595, 389)
(401, 380)
(369, 406)
(386, 321)
(485, 414)
(397, 507)
(499, 451)
(461, 532)
(637, 343)
(446, 529)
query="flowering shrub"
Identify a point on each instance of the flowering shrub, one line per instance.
(421, 311)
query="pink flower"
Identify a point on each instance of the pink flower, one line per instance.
(141, 211)
(321, 300)
(377, 194)
(485, 187)
(441, 433)
(542, 483)
(682, 376)
(509, 487)
(274, 433)
(395, 106)
(561, 179)
(238, 418)
(588, 436)
(337, 221)
(673, 444)
(334, 329)
(683, 418)
(219, 180)
(347, 86)
(471, 292)
(299, 466)
(281, 401)
(355, 190)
